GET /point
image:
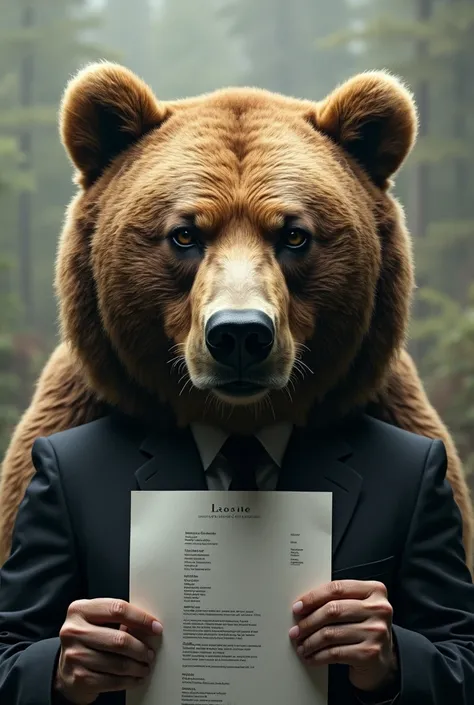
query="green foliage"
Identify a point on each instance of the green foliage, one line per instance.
(448, 243)
(438, 150)
(12, 176)
(9, 381)
(61, 36)
(391, 31)
(447, 333)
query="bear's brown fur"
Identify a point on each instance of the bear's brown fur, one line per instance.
(230, 170)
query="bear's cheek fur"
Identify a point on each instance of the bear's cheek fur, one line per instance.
(144, 307)
(331, 308)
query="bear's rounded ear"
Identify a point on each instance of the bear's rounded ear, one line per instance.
(373, 117)
(105, 109)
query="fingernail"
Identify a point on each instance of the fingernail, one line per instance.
(298, 606)
(151, 655)
(300, 650)
(157, 627)
(294, 631)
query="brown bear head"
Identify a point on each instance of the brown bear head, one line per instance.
(237, 257)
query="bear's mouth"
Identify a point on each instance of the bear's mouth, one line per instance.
(240, 388)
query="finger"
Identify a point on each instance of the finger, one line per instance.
(140, 634)
(107, 640)
(94, 682)
(109, 664)
(337, 611)
(112, 611)
(355, 655)
(336, 590)
(331, 636)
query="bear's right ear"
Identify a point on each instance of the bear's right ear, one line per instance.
(373, 117)
(105, 109)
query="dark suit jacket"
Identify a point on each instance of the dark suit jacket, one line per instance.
(395, 521)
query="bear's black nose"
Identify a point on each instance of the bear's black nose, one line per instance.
(239, 338)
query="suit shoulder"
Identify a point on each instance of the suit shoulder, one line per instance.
(101, 428)
(395, 447)
(397, 436)
(109, 436)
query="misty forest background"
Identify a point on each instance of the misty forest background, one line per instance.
(185, 47)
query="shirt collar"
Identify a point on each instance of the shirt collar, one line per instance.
(210, 439)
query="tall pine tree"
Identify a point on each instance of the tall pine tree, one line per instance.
(42, 42)
(429, 43)
(282, 44)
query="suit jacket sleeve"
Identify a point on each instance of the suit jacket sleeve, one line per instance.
(434, 607)
(37, 583)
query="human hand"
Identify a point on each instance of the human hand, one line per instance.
(348, 622)
(96, 658)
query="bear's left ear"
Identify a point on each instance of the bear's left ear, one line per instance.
(373, 117)
(105, 109)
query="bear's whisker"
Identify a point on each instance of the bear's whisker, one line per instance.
(307, 367)
(302, 368)
(298, 370)
(292, 381)
(186, 384)
(176, 347)
(270, 404)
(287, 391)
(302, 346)
(176, 361)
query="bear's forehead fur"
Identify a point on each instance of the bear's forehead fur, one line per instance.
(240, 153)
(236, 163)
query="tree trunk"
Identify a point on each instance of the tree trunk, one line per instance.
(464, 253)
(25, 199)
(421, 181)
(421, 175)
(283, 15)
(461, 165)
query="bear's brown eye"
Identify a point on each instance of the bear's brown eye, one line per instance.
(295, 238)
(184, 237)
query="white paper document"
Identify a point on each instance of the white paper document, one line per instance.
(221, 571)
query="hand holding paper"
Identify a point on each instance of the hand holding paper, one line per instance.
(347, 622)
(95, 658)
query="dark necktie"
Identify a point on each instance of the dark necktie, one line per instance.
(243, 454)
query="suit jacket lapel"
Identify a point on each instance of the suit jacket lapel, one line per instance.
(172, 462)
(314, 463)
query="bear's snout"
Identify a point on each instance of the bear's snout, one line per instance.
(240, 339)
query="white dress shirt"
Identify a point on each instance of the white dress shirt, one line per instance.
(209, 441)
